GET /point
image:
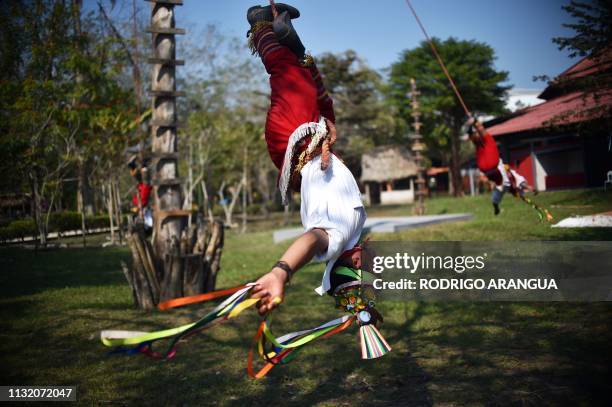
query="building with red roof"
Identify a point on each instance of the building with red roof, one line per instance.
(566, 141)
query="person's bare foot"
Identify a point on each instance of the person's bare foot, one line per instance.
(270, 289)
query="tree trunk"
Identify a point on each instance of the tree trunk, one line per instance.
(228, 209)
(83, 227)
(244, 190)
(37, 209)
(109, 204)
(117, 207)
(455, 165)
(206, 203)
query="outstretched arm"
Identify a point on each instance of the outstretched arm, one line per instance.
(270, 287)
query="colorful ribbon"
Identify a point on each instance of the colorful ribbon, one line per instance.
(286, 347)
(543, 213)
(143, 341)
(271, 349)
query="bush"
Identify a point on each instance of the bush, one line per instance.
(6, 234)
(18, 229)
(58, 222)
(97, 222)
(64, 221)
(67, 221)
(254, 209)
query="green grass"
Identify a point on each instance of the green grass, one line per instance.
(517, 221)
(54, 303)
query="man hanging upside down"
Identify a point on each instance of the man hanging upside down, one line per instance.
(299, 132)
(488, 161)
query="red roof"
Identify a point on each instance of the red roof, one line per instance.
(585, 67)
(563, 110)
(589, 66)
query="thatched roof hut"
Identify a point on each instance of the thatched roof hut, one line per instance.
(387, 163)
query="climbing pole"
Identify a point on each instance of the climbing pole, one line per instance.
(180, 260)
(417, 148)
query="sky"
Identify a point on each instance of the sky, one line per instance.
(520, 31)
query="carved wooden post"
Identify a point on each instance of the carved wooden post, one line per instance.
(417, 148)
(169, 219)
(181, 261)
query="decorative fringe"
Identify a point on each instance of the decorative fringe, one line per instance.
(253, 31)
(318, 131)
(373, 345)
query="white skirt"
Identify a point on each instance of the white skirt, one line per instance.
(331, 201)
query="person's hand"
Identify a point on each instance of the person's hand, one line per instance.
(270, 290)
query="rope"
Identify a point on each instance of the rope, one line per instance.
(273, 6)
(440, 61)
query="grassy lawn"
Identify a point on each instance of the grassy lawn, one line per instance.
(54, 303)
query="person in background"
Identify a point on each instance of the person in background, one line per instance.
(489, 161)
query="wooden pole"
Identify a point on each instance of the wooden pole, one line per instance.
(417, 148)
(181, 260)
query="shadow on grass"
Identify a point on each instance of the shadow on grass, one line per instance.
(443, 353)
(576, 234)
(26, 272)
(520, 353)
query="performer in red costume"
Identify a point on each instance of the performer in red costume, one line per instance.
(299, 133)
(488, 161)
(144, 191)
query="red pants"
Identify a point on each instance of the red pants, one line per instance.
(293, 100)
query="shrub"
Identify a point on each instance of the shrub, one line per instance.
(64, 221)
(96, 222)
(58, 222)
(18, 229)
(254, 209)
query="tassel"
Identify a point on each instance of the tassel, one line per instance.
(373, 345)
(325, 155)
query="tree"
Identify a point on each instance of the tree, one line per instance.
(481, 85)
(591, 41)
(227, 101)
(593, 28)
(362, 118)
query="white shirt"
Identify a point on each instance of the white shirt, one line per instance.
(331, 200)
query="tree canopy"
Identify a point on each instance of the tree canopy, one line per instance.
(482, 86)
(363, 119)
(592, 26)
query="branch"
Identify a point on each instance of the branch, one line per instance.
(118, 36)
